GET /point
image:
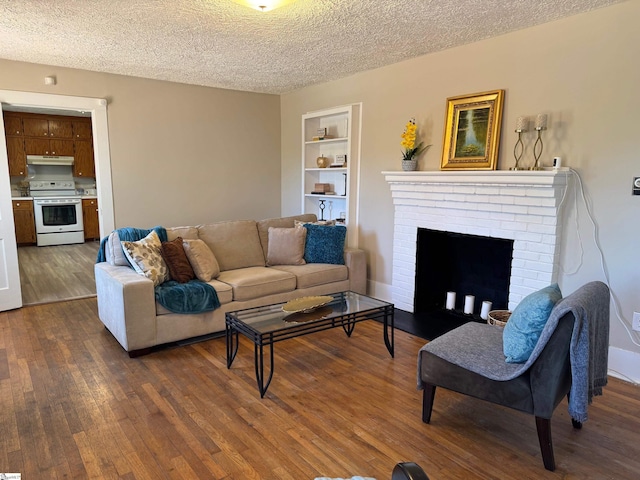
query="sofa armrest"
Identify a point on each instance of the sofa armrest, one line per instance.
(126, 305)
(356, 261)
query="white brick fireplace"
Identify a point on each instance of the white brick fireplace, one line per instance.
(523, 206)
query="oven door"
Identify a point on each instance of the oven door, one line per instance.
(56, 215)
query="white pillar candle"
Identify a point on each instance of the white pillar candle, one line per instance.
(541, 121)
(451, 300)
(486, 307)
(468, 303)
(521, 124)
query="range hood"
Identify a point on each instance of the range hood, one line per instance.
(48, 160)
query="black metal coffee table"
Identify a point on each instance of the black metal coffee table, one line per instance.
(265, 326)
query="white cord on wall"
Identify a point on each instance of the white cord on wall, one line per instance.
(575, 202)
(614, 299)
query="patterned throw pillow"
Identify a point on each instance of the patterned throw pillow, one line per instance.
(286, 246)
(202, 260)
(179, 267)
(325, 244)
(146, 258)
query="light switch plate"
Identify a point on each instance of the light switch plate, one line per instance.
(636, 321)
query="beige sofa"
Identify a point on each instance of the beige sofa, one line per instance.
(126, 300)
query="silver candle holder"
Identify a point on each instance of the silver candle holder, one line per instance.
(518, 149)
(541, 124)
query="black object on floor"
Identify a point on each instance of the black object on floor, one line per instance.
(429, 325)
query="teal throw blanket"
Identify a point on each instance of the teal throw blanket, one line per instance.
(191, 297)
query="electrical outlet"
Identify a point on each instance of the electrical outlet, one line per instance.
(636, 321)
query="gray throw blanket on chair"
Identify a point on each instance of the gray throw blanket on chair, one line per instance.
(589, 345)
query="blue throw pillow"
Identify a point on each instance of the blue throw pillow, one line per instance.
(325, 244)
(522, 331)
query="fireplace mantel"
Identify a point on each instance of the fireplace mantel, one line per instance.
(521, 205)
(478, 177)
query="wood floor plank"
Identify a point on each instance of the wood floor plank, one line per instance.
(74, 405)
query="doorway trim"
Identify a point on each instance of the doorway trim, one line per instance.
(98, 109)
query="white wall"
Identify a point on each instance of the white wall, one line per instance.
(582, 71)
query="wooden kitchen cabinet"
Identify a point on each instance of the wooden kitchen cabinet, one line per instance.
(15, 144)
(49, 127)
(47, 135)
(83, 164)
(45, 146)
(12, 125)
(17, 156)
(90, 219)
(81, 129)
(52, 135)
(24, 220)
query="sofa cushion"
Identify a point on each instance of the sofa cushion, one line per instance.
(146, 258)
(177, 262)
(234, 244)
(254, 282)
(202, 260)
(187, 233)
(286, 246)
(224, 291)
(525, 325)
(113, 251)
(313, 274)
(282, 222)
(325, 244)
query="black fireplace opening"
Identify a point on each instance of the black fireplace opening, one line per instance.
(464, 264)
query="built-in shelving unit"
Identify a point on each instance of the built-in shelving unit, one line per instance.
(334, 134)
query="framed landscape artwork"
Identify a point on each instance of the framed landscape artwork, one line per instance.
(472, 131)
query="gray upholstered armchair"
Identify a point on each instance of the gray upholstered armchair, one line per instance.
(470, 360)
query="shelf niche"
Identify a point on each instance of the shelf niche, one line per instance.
(331, 133)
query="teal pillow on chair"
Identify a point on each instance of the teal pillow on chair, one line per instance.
(522, 331)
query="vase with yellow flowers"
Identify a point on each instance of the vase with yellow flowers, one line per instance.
(411, 148)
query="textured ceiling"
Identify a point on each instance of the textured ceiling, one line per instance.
(219, 43)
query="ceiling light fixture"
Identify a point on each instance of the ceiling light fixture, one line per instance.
(264, 5)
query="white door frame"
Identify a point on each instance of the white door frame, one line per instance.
(10, 291)
(98, 109)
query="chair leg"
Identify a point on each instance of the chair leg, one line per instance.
(546, 446)
(427, 401)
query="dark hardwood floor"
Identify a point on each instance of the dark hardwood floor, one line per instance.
(74, 405)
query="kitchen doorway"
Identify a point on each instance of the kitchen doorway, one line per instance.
(48, 103)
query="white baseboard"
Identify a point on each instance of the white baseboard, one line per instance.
(624, 365)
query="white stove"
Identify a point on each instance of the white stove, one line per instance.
(57, 211)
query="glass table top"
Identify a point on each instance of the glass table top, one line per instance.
(272, 318)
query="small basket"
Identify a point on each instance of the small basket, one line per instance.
(498, 318)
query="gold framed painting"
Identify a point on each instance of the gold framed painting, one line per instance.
(472, 131)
